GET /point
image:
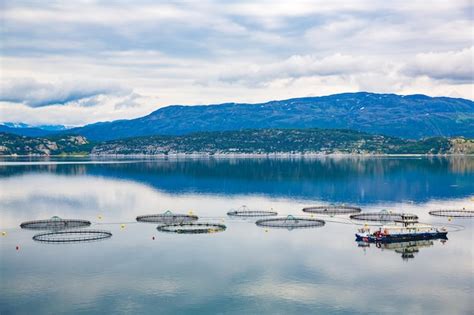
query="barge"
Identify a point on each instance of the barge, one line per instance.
(405, 229)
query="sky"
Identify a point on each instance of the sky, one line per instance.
(79, 62)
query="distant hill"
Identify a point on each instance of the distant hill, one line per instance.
(411, 117)
(44, 127)
(256, 141)
(31, 131)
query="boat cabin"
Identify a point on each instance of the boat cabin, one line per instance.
(407, 219)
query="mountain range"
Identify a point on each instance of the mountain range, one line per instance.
(409, 117)
(414, 116)
(29, 130)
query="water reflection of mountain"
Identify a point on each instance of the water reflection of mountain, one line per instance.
(357, 180)
(408, 250)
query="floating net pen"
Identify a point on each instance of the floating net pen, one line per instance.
(247, 213)
(333, 209)
(290, 222)
(192, 228)
(453, 213)
(55, 223)
(382, 216)
(167, 218)
(79, 236)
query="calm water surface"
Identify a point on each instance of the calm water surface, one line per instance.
(246, 269)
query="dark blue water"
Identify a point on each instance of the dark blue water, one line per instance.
(246, 269)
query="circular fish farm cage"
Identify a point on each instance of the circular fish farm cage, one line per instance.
(54, 224)
(333, 209)
(79, 236)
(382, 216)
(245, 212)
(453, 213)
(192, 228)
(290, 222)
(167, 218)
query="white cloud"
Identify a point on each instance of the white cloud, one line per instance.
(211, 52)
(77, 113)
(450, 65)
(37, 94)
(298, 66)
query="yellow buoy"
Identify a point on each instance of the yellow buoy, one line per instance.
(266, 231)
(99, 217)
(190, 212)
(449, 218)
(312, 216)
(122, 226)
(4, 233)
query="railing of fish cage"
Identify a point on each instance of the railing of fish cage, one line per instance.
(79, 236)
(290, 222)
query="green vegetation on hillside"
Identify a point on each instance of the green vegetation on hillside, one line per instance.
(11, 144)
(262, 141)
(257, 141)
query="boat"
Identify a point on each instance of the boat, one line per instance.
(406, 228)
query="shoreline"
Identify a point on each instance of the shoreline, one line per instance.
(239, 155)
